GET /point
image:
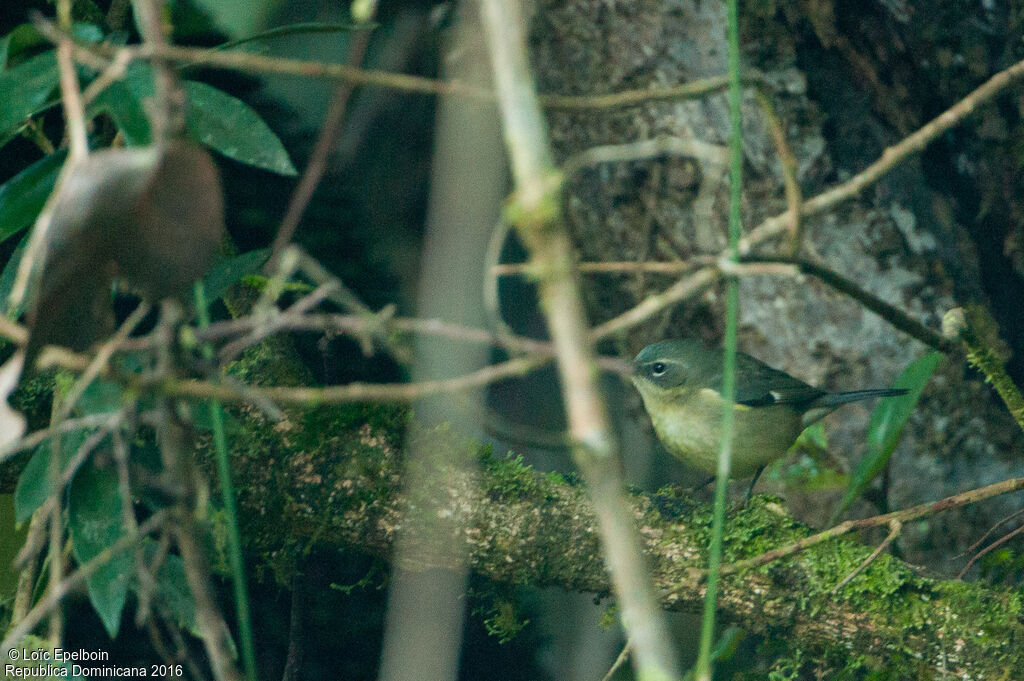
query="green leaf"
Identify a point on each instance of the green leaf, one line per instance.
(34, 482)
(727, 644)
(886, 426)
(100, 397)
(122, 101)
(230, 271)
(21, 38)
(218, 120)
(172, 590)
(11, 539)
(238, 17)
(172, 587)
(23, 196)
(890, 415)
(25, 37)
(95, 523)
(813, 438)
(26, 88)
(231, 127)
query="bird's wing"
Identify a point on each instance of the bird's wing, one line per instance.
(763, 386)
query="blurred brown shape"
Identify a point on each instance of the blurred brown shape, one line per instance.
(153, 216)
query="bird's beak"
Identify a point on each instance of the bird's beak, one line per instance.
(637, 376)
(634, 373)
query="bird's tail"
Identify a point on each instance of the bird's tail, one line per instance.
(836, 399)
(829, 402)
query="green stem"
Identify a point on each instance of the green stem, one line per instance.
(707, 633)
(228, 493)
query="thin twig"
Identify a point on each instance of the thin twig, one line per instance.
(534, 210)
(85, 449)
(895, 527)
(330, 131)
(341, 294)
(891, 157)
(694, 89)
(990, 530)
(684, 289)
(904, 516)
(359, 325)
(99, 361)
(98, 55)
(113, 72)
(213, 629)
(892, 314)
(794, 196)
(56, 525)
(60, 590)
(266, 397)
(676, 267)
(70, 94)
(277, 322)
(644, 150)
(991, 547)
(750, 266)
(33, 546)
(350, 392)
(147, 582)
(29, 563)
(168, 111)
(617, 665)
(491, 293)
(34, 438)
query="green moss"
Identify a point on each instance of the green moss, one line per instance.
(329, 421)
(499, 610)
(609, 617)
(510, 478)
(672, 503)
(272, 362)
(376, 576)
(33, 398)
(892, 596)
(555, 478)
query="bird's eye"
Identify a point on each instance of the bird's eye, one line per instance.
(658, 369)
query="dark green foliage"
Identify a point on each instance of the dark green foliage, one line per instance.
(886, 426)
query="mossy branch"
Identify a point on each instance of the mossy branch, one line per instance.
(976, 328)
(331, 476)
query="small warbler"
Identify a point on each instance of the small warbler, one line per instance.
(680, 382)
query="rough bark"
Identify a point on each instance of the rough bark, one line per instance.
(846, 81)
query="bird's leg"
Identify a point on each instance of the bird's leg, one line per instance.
(753, 481)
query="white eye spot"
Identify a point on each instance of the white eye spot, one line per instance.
(658, 369)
